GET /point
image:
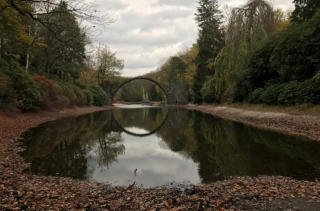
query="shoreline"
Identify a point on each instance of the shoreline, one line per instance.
(293, 124)
(21, 191)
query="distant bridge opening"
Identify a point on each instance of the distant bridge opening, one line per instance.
(114, 93)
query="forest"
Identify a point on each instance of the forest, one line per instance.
(255, 54)
(44, 60)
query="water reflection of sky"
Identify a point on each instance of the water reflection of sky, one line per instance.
(146, 161)
(93, 147)
(133, 106)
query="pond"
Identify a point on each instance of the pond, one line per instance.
(155, 146)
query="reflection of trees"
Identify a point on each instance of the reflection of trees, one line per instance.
(175, 131)
(191, 136)
(243, 150)
(109, 148)
(224, 148)
(221, 148)
(70, 162)
(147, 118)
(206, 153)
(63, 146)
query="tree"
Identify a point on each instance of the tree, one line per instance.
(22, 19)
(108, 64)
(178, 68)
(13, 32)
(189, 59)
(154, 95)
(131, 92)
(282, 18)
(284, 69)
(80, 8)
(210, 42)
(108, 69)
(247, 27)
(304, 9)
(177, 90)
(64, 53)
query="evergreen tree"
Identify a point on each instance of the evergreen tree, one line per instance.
(177, 69)
(304, 9)
(64, 53)
(210, 42)
(154, 95)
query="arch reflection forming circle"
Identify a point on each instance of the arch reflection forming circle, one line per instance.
(140, 135)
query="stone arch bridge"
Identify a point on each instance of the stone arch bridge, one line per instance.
(115, 91)
(174, 94)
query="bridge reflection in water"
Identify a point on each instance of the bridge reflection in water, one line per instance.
(184, 146)
(137, 134)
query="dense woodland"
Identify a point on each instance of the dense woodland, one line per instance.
(259, 55)
(255, 53)
(43, 56)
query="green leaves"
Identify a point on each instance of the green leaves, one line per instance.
(64, 52)
(304, 9)
(108, 64)
(247, 26)
(210, 42)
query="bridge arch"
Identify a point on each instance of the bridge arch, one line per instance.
(139, 78)
(141, 135)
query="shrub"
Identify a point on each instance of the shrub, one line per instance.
(270, 94)
(49, 83)
(289, 94)
(48, 91)
(208, 91)
(82, 99)
(309, 91)
(254, 96)
(7, 94)
(18, 89)
(66, 93)
(89, 97)
(26, 91)
(73, 94)
(290, 55)
(86, 95)
(100, 98)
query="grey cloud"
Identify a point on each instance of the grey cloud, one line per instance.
(131, 19)
(145, 38)
(131, 72)
(110, 5)
(186, 3)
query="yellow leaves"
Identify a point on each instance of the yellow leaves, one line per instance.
(191, 54)
(282, 19)
(3, 5)
(13, 29)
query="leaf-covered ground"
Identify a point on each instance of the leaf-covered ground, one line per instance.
(22, 191)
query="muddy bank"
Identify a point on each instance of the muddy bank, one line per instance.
(303, 125)
(22, 191)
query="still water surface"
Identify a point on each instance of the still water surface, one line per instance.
(156, 146)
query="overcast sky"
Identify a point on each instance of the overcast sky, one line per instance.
(147, 32)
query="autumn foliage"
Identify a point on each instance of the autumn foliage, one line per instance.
(51, 87)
